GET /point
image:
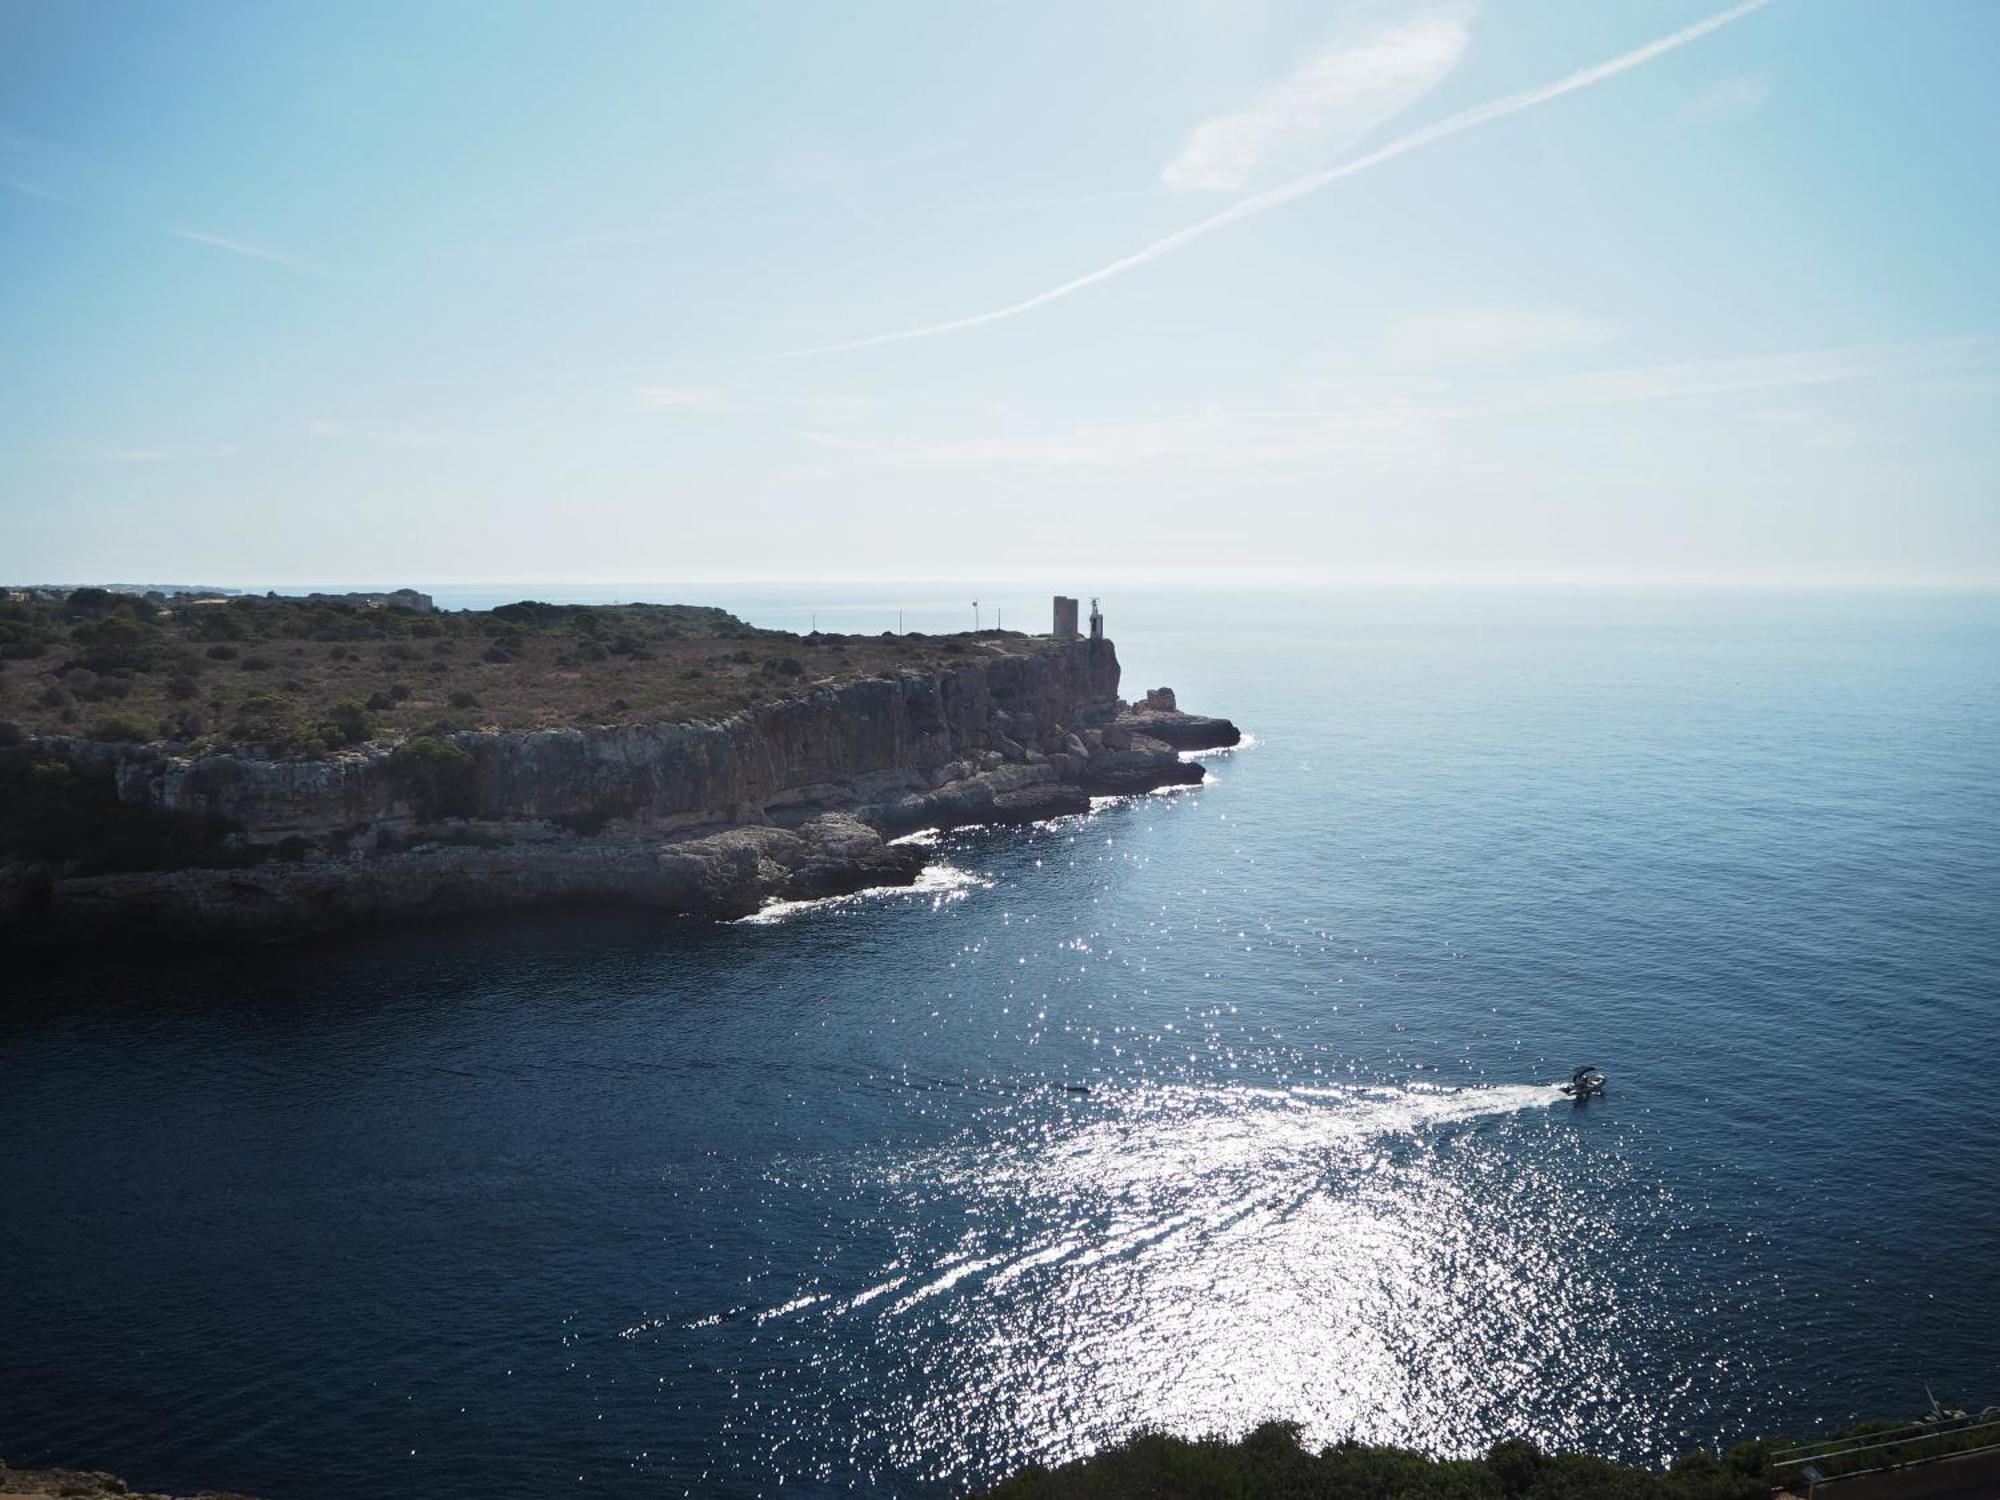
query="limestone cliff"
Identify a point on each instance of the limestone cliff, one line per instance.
(83, 1484)
(791, 798)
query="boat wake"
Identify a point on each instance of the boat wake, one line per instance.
(1143, 1178)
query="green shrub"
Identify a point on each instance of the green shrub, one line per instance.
(89, 604)
(435, 775)
(348, 723)
(1270, 1464)
(225, 624)
(274, 721)
(119, 729)
(117, 641)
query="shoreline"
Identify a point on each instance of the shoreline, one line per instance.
(799, 798)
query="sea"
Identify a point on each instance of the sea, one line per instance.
(1212, 1107)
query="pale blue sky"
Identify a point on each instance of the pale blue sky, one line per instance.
(424, 292)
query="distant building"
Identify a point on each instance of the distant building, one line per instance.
(1096, 622)
(1065, 619)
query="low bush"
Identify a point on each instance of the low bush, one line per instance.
(1270, 1464)
(120, 729)
(348, 723)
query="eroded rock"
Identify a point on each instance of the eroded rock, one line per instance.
(786, 800)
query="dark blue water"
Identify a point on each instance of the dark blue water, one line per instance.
(620, 1206)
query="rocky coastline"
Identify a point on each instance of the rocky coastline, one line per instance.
(86, 1484)
(793, 799)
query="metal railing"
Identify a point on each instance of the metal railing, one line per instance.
(1913, 1435)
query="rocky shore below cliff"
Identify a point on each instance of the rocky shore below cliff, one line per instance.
(86, 1484)
(789, 800)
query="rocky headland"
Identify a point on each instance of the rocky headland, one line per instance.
(85, 1484)
(804, 795)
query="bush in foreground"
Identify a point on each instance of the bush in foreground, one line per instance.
(1269, 1464)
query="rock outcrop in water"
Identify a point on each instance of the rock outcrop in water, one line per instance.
(786, 800)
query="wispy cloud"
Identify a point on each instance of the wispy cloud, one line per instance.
(1489, 336)
(205, 453)
(112, 203)
(1377, 429)
(1727, 100)
(29, 190)
(243, 248)
(384, 434)
(1300, 187)
(1696, 379)
(679, 398)
(1392, 422)
(1333, 100)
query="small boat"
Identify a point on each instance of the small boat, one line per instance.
(1586, 1082)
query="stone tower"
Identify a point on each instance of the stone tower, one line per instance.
(1065, 628)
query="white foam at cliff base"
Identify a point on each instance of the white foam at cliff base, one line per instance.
(939, 883)
(1215, 752)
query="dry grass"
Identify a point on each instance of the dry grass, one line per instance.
(303, 677)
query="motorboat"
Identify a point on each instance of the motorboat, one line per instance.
(1585, 1083)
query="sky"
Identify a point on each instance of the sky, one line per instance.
(1537, 291)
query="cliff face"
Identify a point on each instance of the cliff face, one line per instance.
(82, 1484)
(787, 799)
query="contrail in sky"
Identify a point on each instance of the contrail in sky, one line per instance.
(242, 247)
(1299, 187)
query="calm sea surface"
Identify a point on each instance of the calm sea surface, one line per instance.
(612, 1205)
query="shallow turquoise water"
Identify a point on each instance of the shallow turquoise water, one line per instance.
(601, 1203)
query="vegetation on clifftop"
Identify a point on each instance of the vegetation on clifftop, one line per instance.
(311, 676)
(1269, 1464)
